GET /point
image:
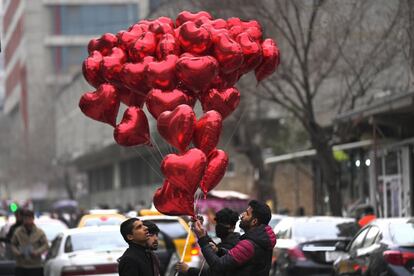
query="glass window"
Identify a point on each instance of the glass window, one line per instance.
(54, 248)
(358, 241)
(371, 236)
(174, 228)
(100, 179)
(326, 229)
(136, 172)
(283, 229)
(402, 234)
(51, 229)
(93, 19)
(68, 59)
(102, 240)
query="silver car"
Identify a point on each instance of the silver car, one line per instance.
(85, 251)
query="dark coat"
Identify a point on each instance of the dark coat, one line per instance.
(251, 256)
(136, 261)
(228, 243)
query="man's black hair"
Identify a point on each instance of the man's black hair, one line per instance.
(152, 227)
(261, 211)
(369, 210)
(126, 228)
(227, 216)
(26, 213)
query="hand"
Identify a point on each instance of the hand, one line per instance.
(198, 229)
(181, 267)
(214, 247)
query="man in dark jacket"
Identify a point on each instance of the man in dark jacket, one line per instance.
(136, 260)
(152, 244)
(253, 253)
(226, 220)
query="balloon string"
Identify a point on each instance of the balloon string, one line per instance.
(235, 128)
(148, 163)
(158, 148)
(153, 155)
(185, 245)
(202, 266)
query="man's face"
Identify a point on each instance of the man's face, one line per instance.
(152, 241)
(139, 233)
(28, 222)
(247, 220)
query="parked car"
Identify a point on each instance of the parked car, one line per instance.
(306, 245)
(178, 230)
(51, 227)
(101, 217)
(383, 247)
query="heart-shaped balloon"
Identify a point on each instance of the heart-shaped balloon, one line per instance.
(133, 129)
(133, 75)
(197, 72)
(194, 39)
(215, 170)
(207, 131)
(219, 23)
(173, 202)
(228, 53)
(144, 46)
(235, 31)
(185, 16)
(223, 101)
(214, 33)
(129, 97)
(127, 38)
(177, 126)
(255, 33)
(159, 101)
(252, 52)
(101, 105)
(104, 44)
(162, 74)
(185, 171)
(271, 59)
(202, 20)
(222, 80)
(233, 21)
(91, 69)
(111, 65)
(159, 29)
(166, 20)
(167, 46)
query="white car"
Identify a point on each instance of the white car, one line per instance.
(86, 251)
(276, 218)
(51, 227)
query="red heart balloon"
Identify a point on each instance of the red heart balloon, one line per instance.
(222, 80)
(185, 171)
(133, 129)
(104, 44)
(251, 23)
(177, 126)
(215, 170)
(127, 38)
(228, 53)
(207, 131)
(167, 46)
(224, 101)
(194, 39)
(91, 69)
(159, 29)
(271, 59)
(159, 101)
(173, 202)
(133, 75)
(111, 65)
(130, 98)
(144, 46)
(166, 20)
(201, 20)
(254, 33)
(233, 21)
(235, 31)
(219, 23)
(214, 33)
(101, 105)
(189, 16)
(197, 72)
(162, 74)
(252, 52)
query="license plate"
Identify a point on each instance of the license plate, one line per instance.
(331, 256)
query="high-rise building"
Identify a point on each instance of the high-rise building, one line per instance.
(43, 44)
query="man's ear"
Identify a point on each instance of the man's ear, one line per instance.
(130, 237)
(255, 222)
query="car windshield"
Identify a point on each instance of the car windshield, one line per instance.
(99, 240)
(103, 221)
(52, 229)
(402, 233)
(273, 222)
(324, 230)
(173, 228)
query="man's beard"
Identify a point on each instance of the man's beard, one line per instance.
(154, 246)
(245, 225)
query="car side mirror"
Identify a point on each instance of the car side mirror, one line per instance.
(340, 246)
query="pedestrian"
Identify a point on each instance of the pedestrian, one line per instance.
(136, 260)
(28, 243)
(226, 220)
(253, 253)
(8, 254)
(152, 244)
(367, 216)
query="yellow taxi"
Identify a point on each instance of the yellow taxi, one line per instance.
(177, 229)
(101, 217)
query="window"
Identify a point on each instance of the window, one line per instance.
(99, 240)
(136, 172)
(93, 19)
(371, 236)
(68, 59)
(100, 179)
(358, 241)
(54, 248)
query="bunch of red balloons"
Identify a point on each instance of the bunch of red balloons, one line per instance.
(169, 65)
